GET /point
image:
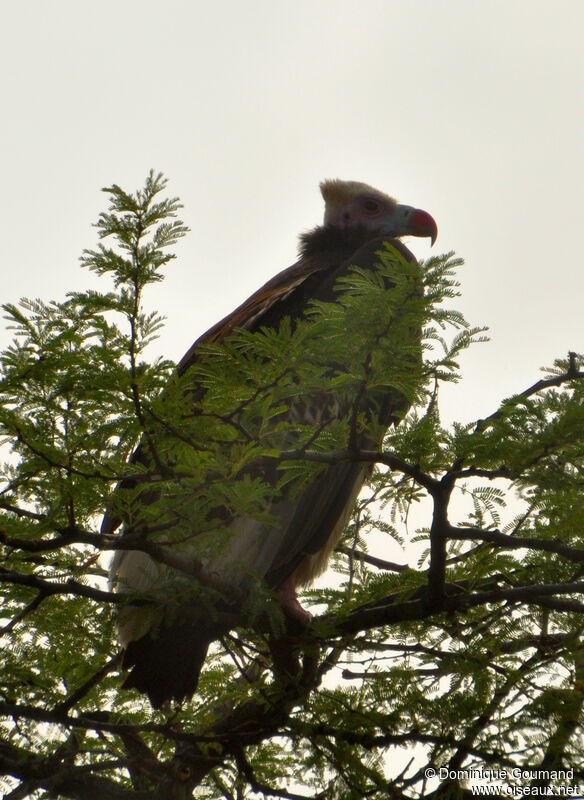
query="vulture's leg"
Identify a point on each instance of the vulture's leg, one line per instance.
(286, 594)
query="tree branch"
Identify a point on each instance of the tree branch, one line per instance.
(48, 588)
(432, 485)
(380, 563)
(571, 374)
(389, 610)
(514, 542)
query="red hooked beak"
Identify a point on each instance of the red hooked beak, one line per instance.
(408, 221)
(422, 224)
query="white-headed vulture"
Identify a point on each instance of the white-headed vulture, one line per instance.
(291, 544)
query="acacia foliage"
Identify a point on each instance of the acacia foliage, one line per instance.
(470, 657)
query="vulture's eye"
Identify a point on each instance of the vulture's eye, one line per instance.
(371, 206)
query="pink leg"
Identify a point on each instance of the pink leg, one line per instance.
(286, 594)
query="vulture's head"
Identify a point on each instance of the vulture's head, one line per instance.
(350, 205)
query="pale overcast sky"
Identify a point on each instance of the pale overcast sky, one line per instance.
(470, 110)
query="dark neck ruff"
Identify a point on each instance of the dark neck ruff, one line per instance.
(326, 240)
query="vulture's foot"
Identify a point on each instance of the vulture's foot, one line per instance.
(287, 598)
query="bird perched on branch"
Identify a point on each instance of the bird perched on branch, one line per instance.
(291, 544)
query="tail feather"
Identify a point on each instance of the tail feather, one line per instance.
(167, 665)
